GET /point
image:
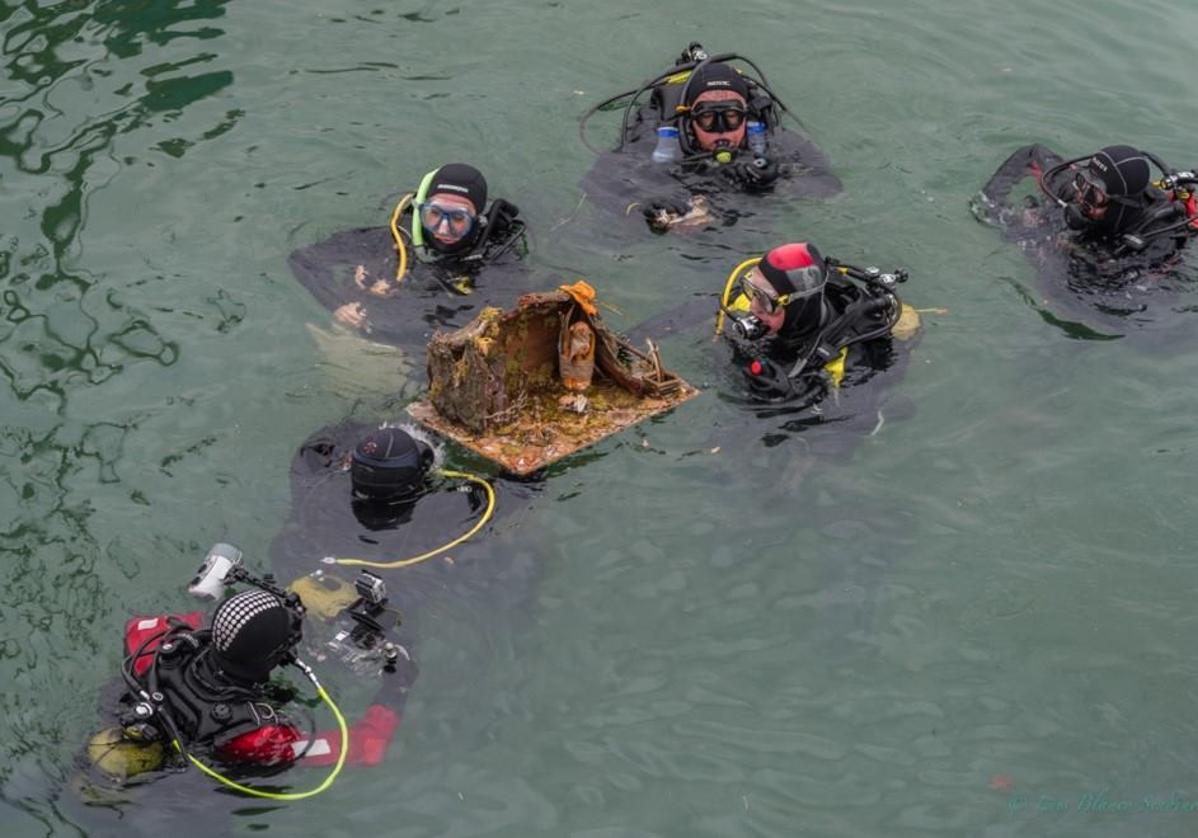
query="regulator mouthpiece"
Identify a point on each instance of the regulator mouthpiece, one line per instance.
(1075, 219)
(749, 327)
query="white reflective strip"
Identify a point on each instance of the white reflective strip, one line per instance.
(142, 625)
(319, 748)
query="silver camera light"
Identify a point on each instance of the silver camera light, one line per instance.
(209, 581)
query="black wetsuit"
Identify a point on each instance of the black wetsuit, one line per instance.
(857, 357)
(815, 398)
(232, 728)
(323, 523)
(619, 179)
(1091, 287)
(442, 294)
(1096, 258)
(326, 521)
(628, 181)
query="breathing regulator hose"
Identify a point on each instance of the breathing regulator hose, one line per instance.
(423, 557)
(342, 727)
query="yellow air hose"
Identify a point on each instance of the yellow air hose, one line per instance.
(732, 277)
(399, 245)
(286, 796)
(426, 556)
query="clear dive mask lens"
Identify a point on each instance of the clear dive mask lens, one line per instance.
(458, 220)
(1089, 194)
(1092, 195)
(716, 118)
(754, 293)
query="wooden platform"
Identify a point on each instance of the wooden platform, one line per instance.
(495, 385)
(546, 433)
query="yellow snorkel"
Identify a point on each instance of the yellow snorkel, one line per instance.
(736, 274)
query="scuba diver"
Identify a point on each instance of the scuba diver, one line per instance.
(378, 498)
(802, 325)
(213, 690)
(1104, 214)
(706, 130)
(441, 240)
(364, 496)
(356, 489)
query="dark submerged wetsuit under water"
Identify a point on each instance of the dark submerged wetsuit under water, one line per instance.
(619, 180)
(839, 395)
(626, 181)
(326, 520)
(443, 294)
(830, 407)
(1094, 285)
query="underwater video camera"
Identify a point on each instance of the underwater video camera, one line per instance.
(353, 622)
(223, 567)
(368, 609)
(358, 636)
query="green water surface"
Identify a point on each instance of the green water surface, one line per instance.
(962, 624)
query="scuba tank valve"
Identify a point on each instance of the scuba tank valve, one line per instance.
(876, 276)
(1174, 179)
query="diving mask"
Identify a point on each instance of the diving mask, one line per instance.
(1089, 195)
(458, 221)
(719, 117)
(754, 293)
(810, 278)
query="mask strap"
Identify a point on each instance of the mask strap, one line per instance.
(1047, 175)
(421, 194)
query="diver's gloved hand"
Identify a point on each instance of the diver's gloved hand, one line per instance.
(661, 212)
(755, 175)
(1026, 161)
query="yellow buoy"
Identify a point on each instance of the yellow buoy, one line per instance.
(121, 758)
(908, 323)
(324, 594)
